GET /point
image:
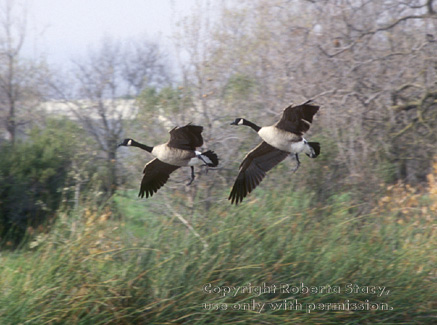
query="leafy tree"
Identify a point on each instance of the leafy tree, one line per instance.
(166, 101)
(33, 176)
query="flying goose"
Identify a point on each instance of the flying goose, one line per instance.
(179, 151)
(280, 140)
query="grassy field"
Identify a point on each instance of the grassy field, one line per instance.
(275, 259)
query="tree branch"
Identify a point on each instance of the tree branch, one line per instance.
(187, 224)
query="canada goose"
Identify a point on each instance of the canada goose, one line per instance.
(280, 140)
(179, 151)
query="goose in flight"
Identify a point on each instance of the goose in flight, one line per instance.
(179, 151)
(279, 141)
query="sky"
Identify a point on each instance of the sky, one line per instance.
(65, 29)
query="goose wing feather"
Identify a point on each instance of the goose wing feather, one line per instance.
(254, 168)
(297, 119)
(156, 174)
(188, 137)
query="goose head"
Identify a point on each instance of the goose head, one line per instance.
(126, 142)
(239, 121)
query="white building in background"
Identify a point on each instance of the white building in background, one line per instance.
(118, 109)
(126, 109)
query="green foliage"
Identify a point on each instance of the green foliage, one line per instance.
(239, 87)
(33, 174)
(93, 270)
(167, 100)
(387, 171)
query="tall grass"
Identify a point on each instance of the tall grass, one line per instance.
(148, 268)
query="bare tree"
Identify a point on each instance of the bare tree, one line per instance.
(144, 65)
(22, 82)
(379, 59)
(370, 65)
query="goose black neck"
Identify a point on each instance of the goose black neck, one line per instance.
(141, 146)
(252, 125)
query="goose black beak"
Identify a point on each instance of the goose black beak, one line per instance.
(233, 123)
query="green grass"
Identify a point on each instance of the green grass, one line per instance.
(149, 268)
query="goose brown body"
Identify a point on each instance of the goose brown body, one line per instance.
(173, 156)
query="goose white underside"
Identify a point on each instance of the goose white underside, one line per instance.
(199, 160)
(284, 140)
(172, 156)
(298, 147)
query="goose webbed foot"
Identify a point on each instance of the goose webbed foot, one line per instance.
(192, 176)
(297, 163)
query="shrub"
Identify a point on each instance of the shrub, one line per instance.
(33, 174)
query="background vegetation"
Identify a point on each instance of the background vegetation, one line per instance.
(77, 246)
